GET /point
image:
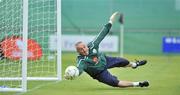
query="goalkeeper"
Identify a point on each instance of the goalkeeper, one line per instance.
(96, 63)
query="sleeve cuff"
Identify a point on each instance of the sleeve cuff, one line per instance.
(110, 22)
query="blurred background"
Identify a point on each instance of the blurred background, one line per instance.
(146, 22)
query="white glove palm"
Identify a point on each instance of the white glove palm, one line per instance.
(68, 77)
(71, 73)
(114, 17)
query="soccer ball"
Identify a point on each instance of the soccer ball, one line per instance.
(72, 72)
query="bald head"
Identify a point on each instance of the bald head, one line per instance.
(81, 48)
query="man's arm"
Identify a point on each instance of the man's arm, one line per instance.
(105, 30)
(80, 66)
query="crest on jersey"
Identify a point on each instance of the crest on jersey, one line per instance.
(94, 51)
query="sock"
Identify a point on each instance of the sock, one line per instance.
(133, 64)
(135, 84)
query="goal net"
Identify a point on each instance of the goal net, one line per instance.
(25, 28)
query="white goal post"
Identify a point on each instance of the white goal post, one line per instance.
(121, 20)
(25, 30)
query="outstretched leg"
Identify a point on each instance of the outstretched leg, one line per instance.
(121, 62)
(107, 78)
(116, 62)
(133, 84)
(136, 64)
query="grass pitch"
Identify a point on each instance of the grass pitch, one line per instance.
(161, 71)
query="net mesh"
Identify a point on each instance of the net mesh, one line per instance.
(11, 24)
(41, 25)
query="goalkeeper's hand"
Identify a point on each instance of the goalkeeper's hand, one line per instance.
(113, 17)
(68, 77)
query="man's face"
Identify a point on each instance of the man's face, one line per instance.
(82, 49)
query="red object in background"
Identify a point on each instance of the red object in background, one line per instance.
(11, 48)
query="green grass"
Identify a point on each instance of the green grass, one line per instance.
(162, 72)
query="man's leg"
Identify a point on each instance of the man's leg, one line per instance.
(133, 84)
(121, 62)
(107, 78)
(116, 62)
(136, 64)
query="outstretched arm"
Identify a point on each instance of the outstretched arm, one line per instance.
(105, 30)
(80, 66)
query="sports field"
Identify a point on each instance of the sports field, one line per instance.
(161, 71)
(146, 23)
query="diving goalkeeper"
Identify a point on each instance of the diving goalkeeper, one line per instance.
(96, 63)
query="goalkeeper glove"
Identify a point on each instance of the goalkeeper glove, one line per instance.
(67, 77)
(113, 17)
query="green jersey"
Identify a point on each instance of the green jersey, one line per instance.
(86, 63)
